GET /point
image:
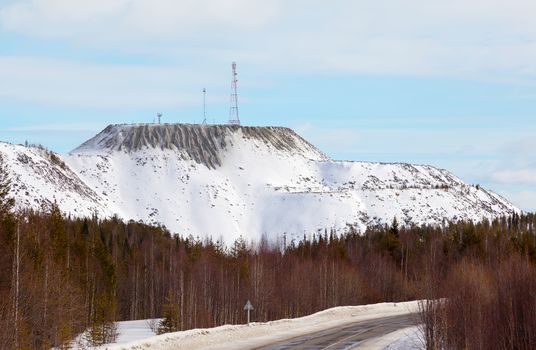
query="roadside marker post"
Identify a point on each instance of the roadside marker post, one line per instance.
(248, 307)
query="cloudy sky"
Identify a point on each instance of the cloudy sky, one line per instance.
(446, 83)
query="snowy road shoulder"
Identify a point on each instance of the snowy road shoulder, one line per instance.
(404, 339)
(230, 337)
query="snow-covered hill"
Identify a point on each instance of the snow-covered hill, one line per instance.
(226, 181)
(40, 177)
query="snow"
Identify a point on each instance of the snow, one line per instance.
(129, 331)
(405, 339)
(227, 182)
(231, 337)
(37, 180)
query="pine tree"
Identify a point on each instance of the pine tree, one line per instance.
(58, 234)
(170, 322)
(6, 203)
(394, 227)
(103, 329)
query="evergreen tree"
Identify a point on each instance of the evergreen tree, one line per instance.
(394, 227)
(58, 234)
(391, 240)
(239, 248)
(170, 322)
(6, 203)
(103, 329)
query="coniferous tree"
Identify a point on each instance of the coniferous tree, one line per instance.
(394, 227)
(103, 330)
(170, 312)
(9, 258)
(6, 202)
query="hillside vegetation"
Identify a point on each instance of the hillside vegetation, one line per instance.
(77, 273)
(62, 275)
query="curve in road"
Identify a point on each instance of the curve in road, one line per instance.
(349, 336)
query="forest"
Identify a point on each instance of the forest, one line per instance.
(60, 276)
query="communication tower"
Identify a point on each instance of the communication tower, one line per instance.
(204, 107)
(233, 110)
(159, 116)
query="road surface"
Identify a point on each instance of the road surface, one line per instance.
(348, 336)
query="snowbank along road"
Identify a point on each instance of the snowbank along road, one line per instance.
(366, 326)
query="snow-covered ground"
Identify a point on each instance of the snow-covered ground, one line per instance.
(127, 332)
(231, 337)
(406, 339)
(225, 181)
(39, 178)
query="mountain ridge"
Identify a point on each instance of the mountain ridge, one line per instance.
(250, 181)
(203, 143)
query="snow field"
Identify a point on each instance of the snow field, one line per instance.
(405, 339)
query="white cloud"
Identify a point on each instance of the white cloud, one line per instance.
(67, 83)
(331, 140)
(526, 200)
(476, 38)
(117, 20)
(523, 176)
(78, 126)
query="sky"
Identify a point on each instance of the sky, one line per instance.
(446, 83)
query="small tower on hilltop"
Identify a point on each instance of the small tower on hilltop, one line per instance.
(159, 116)
(233, 110)
(204, 107)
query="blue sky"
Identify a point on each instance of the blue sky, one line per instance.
(451, 84)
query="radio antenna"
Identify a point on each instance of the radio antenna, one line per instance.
(233, 110)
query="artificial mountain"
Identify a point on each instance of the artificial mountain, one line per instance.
(225, 181)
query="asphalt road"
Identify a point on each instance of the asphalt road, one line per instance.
(348, 336)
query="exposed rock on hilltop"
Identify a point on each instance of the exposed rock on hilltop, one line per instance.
(201, 143)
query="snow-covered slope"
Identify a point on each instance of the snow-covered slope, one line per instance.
(227, 181)
(39, 178)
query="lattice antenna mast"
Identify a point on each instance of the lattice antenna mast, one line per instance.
(233, 110)
(204, 107)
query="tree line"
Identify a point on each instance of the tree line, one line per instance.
(60, 276)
